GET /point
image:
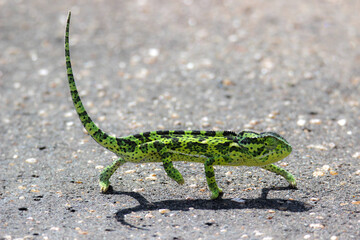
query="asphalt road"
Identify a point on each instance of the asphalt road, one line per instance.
(292, 67)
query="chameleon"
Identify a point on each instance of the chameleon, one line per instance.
(227, 148)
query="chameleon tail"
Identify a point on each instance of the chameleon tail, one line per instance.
(95, 132)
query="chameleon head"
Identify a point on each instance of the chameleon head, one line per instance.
(264, 148)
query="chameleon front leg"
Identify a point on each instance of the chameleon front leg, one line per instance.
(282, 172)
(107, 173)
(171, 171)
(210, 179)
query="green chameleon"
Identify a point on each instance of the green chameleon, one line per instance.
(208, 147)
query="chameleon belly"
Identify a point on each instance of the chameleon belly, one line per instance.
(208, 147)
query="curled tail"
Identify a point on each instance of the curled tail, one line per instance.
(95, 132)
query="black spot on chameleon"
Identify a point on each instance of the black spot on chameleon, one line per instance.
(179, 132)
(234, 149)
(212, 185)
(158, 146)
(166, 164)
(74, 93)
(246, 141)
(197, 147)
(163, 132)
(139, 137)
(105, 135)
(209, 174)
(229, 133)
(126, 145)
(265, 158)
(222, 148)
(84, 117)
(144, 148)
(258, 151)
(210, 161)
(175, 143)
(210, 133)
(228, 159)
(166, 155)
(147, 136)
(99, 135)
(231, 138)
(166, 136)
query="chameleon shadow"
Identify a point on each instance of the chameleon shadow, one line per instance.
(205, 204)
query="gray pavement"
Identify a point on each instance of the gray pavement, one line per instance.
(286, 66)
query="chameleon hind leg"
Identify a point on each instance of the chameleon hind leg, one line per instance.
(282, 172)
(216, 192)
(105, 175)
(170, 170)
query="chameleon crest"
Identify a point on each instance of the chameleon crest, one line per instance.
(208, 147)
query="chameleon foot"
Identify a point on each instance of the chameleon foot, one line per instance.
(216, 194)
(291, 180)
(105, 175)
(104, 186)
(181, 181)
(293, 184)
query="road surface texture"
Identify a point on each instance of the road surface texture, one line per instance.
(291, 67)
